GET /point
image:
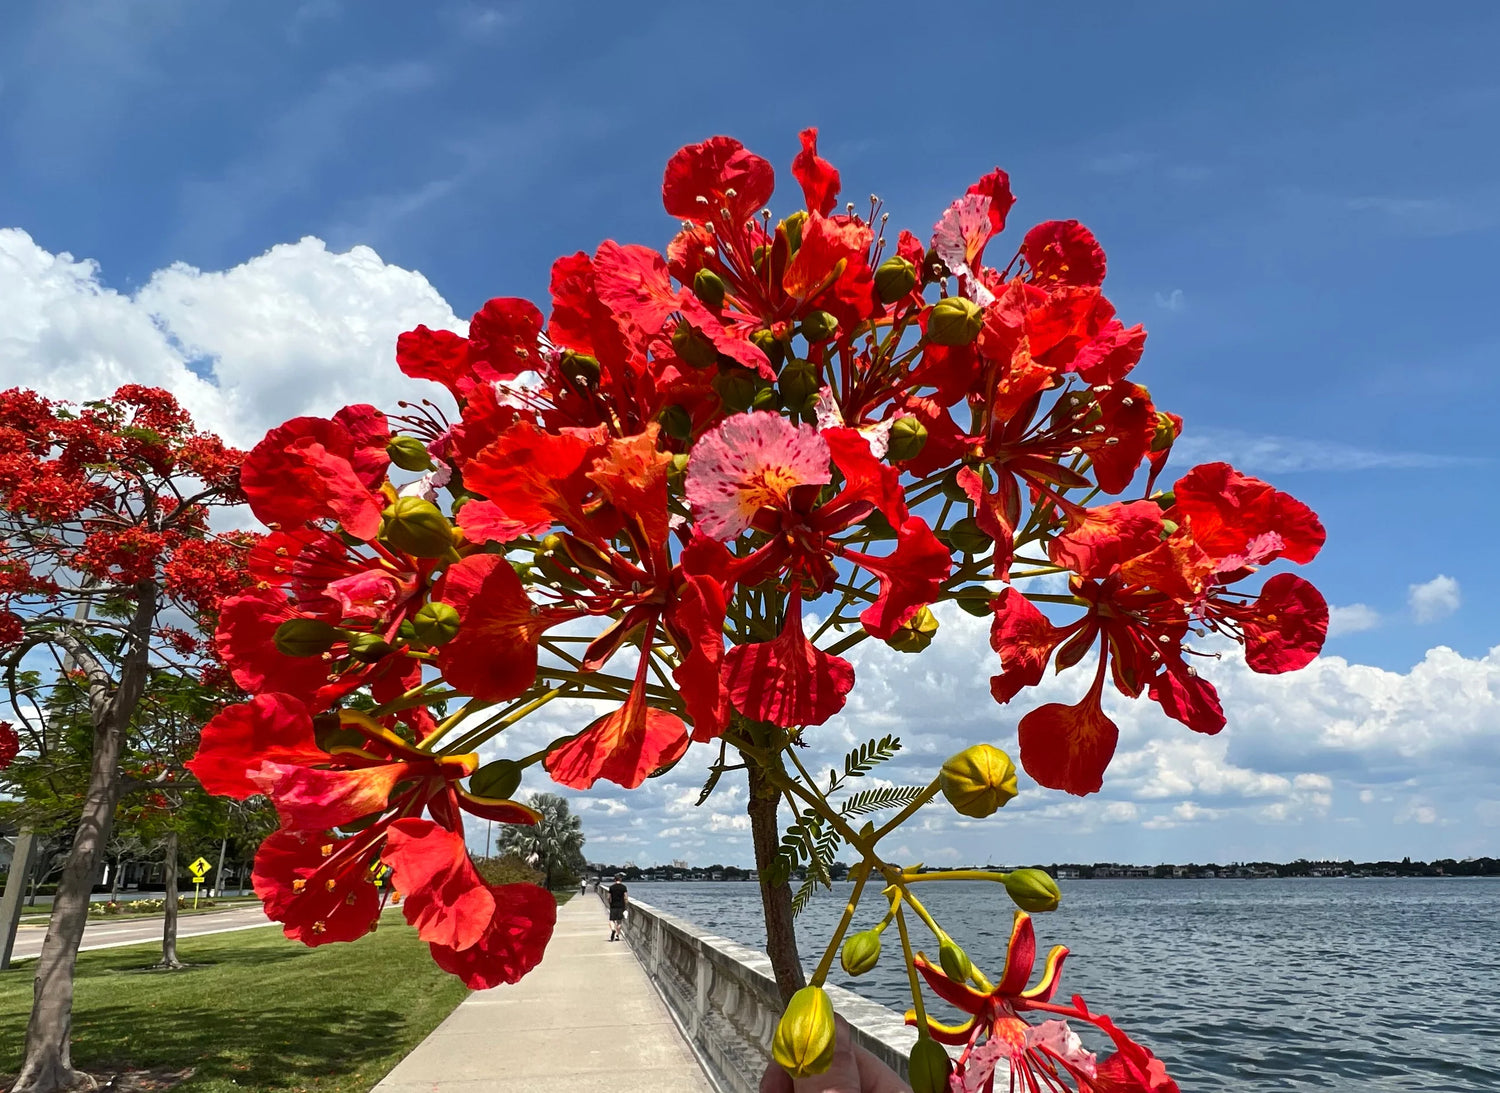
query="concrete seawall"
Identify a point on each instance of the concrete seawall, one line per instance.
(723, 997)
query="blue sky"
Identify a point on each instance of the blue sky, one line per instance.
(1301, 202)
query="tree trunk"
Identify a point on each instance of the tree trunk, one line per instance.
(48, 1067)
(169, 919)
(776, 900)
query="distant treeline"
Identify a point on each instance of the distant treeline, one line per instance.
(1302, 867)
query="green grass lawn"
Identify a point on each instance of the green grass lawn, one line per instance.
(255, 1012)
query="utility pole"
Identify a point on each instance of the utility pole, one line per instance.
(15, 892)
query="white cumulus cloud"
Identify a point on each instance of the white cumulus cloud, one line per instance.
(1352, 619)
(1433, 600)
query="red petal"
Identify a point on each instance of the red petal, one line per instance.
(239, 738)
(818, 178)
(503, 339)
(699, 177)
(632, 476)
(788, 681)
(336, 902)
(1025, 639)
(1064, 252)
(1020, 956)
(1100, 539)
(438, 355)
(1187, 697)
(512, 943)
(1227, 510)
(1288, 627)
(441, 894)
(623, 746)
(865, 477)
(699, 617)
(632, 280)
(535, 478)
(310, 799)
(369, 434)
(493, 657)
(244, 639)
(1069, 747)
(910, 578)
(302, 471)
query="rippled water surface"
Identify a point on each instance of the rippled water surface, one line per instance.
(1254, 986)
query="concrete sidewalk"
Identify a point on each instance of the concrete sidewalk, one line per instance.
(586, 1020)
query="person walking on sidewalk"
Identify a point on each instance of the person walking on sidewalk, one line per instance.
(618, 898)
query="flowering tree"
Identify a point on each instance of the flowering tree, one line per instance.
(107, 566)
(666, 473)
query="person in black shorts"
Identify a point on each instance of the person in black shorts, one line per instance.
(617, 901)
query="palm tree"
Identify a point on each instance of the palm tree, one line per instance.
(554, 844)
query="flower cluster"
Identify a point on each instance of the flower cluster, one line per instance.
(638, 496)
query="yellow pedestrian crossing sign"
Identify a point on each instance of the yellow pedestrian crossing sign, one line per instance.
(200, 869)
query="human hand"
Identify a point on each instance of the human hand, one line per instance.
(853, 1070)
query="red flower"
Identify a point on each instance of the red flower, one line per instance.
(10, 744)
(1044, 1055)
(512, 943)
(788, 681)
(312, 469)
(818, 178)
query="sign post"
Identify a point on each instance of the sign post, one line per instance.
(200, 870)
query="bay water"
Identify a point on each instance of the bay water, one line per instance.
(1254, 986)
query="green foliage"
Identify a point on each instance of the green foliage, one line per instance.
(863, 759)
(508, 869)
(879, 799)
(553, 845)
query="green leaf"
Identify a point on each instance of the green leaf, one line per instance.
(879, 799)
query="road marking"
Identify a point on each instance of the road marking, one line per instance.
(154, 940)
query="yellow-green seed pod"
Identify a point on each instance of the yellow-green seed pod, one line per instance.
(414, 526)
(409, 453)
(955, 961)
(435, 623)
(916, 633)
(894, 278)
(798, 382)
(367, 648)
(581, 368)
(792, 225)
(908, 438)
(979, 780)
(693, 347)
(708, 286)
(928, 1067)
(861, 952)
(819, 327)
(954, 321)
(768, 344)
(804, 1039)
(966, 536)
(676, 422)
(497, 780)
(1033, 890)
(305, 637)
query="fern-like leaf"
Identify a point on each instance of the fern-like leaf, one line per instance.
(879, 799)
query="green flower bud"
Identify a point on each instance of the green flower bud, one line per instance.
(798, 382)
(679, 465)
(737, 388)
(965, 535)
(916, 633)
(329, 734)
(409, 453)
(580, 368)
(860, 952)
(758, 257)
(305, 637)
(954, 321)
(978, 780)
(1164, 499)
(497, 780)
(954, 960)
(435, 623)
(819, 326)
(1033, 890)
(928, 1067)
(708, 286)
(951, 489)
(895, 278)
(908, 438)
(694, 347)
(416, 527)
(792, 225)
(770, 345)
(976, 601)
(367, 648)
(676, 422)
(803, 1043)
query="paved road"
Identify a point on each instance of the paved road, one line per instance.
(109, 935)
